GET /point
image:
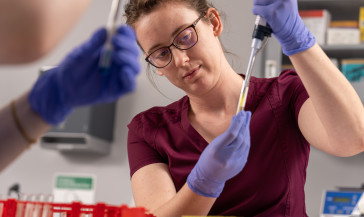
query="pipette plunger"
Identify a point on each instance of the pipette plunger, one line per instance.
(261, 31)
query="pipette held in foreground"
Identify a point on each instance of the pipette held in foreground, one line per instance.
(105, 57)
(261, 31)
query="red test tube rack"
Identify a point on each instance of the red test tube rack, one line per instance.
(18, 208)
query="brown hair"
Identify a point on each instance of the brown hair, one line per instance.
(134, 9)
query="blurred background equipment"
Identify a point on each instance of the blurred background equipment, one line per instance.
(343, 202)
(86, 129)
(69, 187)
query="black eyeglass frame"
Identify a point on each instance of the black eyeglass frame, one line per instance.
(193, 25)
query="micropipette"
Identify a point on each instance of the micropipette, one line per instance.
(261, 32)
(105, 57)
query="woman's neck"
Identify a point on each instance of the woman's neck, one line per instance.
(222, 99)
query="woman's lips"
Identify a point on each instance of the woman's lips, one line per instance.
(192, 73)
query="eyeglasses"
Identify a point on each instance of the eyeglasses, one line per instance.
(184, 40)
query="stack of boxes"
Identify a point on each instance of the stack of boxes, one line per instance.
(337, 33)
(317, 21)
(353, 69)
(343, 32)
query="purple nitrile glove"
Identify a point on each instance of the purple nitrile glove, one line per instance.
(79, 81)
(222, 159)
(287, 25)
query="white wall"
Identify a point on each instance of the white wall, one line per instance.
(34, 169)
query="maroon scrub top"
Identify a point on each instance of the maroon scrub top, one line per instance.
(271, 183)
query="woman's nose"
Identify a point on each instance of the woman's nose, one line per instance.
(180, 57)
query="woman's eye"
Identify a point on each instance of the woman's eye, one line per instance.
(162, 53)
(185, 37)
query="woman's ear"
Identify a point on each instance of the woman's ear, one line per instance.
(215, 20)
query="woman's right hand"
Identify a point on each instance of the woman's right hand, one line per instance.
(222, 159)
(79, 81)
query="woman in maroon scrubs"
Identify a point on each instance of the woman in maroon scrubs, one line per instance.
(195, 156)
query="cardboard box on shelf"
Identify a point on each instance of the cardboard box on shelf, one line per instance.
(344, 24)
(317, 21)
(361, 24)
(343, 36)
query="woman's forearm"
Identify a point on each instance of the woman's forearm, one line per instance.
(154, 189)
(185, 202)
(13, 143)
(335, 101)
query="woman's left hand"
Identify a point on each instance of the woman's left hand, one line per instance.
(223, 158)
(287, 25)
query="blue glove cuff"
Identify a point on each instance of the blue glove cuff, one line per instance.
(203, 186)
(46, 100)
(298, 45)
(301, 40)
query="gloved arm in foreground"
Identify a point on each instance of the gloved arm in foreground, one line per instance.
(77, 81)
(222, 159)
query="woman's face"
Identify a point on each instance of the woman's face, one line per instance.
(196, 70)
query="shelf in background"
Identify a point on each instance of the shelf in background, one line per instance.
(359, 47)
(344, 51)
(339, 9)
(357, 2)
(354, 47)
(339, 52)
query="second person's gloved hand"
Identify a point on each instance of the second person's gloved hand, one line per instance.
(287, 25)
(222, 159)
(79, 80)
